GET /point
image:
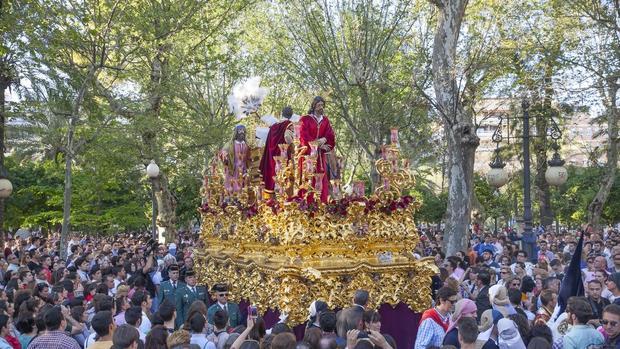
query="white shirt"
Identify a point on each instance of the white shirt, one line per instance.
(223, 306)
(318, 118)
(607, 294)
(83, 275)
(145, 326)
(90, 340)
(499, 249)
(200, 339)
(13, 267)
(142, 335)
(116, 283)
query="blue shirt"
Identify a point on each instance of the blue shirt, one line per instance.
(583, 337)
(430, 333)
(484, 246)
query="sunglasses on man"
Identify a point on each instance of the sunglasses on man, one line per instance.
(611, 323)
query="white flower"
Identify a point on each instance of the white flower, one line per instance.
(247, 97)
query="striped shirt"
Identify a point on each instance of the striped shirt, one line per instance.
(430, 333)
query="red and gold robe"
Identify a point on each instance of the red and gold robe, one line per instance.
(311, 130)
(267, 163)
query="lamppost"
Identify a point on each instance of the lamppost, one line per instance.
(152, 170)
(6, 188)
(556, 173)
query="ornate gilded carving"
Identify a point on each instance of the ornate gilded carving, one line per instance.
(287, 251)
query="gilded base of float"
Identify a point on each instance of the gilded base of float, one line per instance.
(285, 261)
(278, 283)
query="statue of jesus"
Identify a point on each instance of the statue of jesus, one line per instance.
(315, 126)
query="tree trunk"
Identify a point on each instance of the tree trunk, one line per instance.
(166, 206)
(5, 81)
(595, 209)
(166, 203)
(546, 111)
(66, 207)
(374, 174)
(460, 133)
(462, 143)
(69, 155)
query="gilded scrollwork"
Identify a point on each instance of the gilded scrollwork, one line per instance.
(285, 252)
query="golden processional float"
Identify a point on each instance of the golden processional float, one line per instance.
(284, 252)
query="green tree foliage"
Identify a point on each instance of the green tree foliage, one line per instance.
(433, 206)
(356, 53)
(106, 86)
(105, 199)
(571, 200)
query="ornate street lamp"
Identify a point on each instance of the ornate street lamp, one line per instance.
(6, 188)
(556, 174)
(152, 171)
(497, 176)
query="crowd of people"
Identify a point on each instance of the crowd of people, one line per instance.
(127, 291)
(493, 295)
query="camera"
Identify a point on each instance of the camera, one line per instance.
(150, 246)
(362, 334)
(252, 311)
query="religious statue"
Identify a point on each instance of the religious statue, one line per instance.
(279, 133)
(236, 159)
(316, 134)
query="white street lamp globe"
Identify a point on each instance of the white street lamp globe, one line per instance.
(556, 175)
(497, 177)
(152, 170)
(6, 188)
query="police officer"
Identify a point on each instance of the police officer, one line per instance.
(220, 292)
(168, 289)
(188, 294)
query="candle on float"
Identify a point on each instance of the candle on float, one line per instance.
(309, 162)
(297, 129)
(360, 188)
(278, 163)
(318, 181)
(335, 189)
(237, 183)
(314, 148)
(283, 150)
(394, 136)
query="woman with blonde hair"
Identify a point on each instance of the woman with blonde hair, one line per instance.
(178, 337)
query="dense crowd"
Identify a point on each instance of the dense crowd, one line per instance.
(130, 292)
(127, 291)
(493, 295)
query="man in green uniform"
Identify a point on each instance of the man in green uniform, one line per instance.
(187, 295)
(168, 289)
(220, 291)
